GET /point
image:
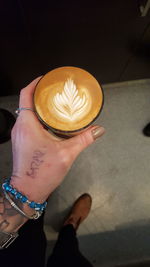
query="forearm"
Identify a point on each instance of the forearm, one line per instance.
(10, 219)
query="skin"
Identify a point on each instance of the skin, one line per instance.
(40, 160)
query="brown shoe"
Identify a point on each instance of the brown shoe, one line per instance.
(79, 211)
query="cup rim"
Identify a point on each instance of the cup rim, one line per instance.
(63, 131)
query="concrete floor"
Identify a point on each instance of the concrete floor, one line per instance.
(115, 171)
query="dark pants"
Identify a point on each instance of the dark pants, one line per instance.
(66, 251)
(28, 250)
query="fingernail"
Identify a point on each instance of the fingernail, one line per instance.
(97, 132)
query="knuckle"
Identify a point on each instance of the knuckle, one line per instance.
(20, 129)
(84, 140)
(64, 157)
(22, 91)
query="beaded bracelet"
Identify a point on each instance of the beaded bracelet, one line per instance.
(8, 188)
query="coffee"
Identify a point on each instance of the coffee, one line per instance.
(68, 99)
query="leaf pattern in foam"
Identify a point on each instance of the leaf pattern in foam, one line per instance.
(69, 104)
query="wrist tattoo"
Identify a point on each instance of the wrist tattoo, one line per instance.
(8, 215)
(35, 163)
(3, 225)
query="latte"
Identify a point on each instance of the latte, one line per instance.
(68, 99)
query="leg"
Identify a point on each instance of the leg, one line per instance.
(28, 249)
(66, 252)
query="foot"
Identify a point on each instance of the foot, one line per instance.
(79, 211)
(146, 130)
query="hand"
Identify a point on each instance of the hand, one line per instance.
(41, 160)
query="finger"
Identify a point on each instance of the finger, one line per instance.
(78, 143)
(26, 94)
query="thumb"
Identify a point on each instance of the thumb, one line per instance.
(78, 143)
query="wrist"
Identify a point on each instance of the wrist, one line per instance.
(22, 198)
(25, 186)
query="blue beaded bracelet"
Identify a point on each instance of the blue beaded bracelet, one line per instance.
(8, 188)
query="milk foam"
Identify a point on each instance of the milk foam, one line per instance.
(69, 104)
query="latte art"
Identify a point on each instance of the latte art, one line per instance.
(69, 104)
(67, 100)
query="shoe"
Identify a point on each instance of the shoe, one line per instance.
(79, 211)
(146, 130)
